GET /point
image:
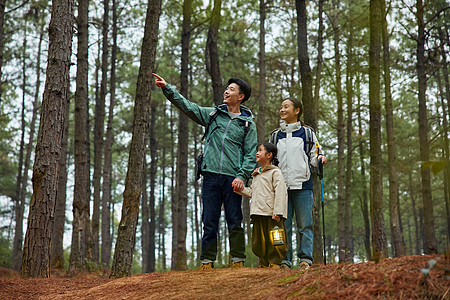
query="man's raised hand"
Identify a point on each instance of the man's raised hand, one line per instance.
(159, 81)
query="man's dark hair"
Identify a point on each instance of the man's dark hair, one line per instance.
(244, 87)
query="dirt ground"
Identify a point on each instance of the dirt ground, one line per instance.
(399, 278)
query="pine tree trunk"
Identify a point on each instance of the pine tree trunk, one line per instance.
(180, 255)
(36, 250)
(310, 111)
(145, 220)
(162, 220)
(29, 148)
(81, 248)
(341, 206)
(396, 231)
(363, 198)
(109, 141)
(2, 21)
(57, 252)
(417, 226)
(19, 203)
(430, 246)
(99, 131)
(444, 67)
(348, 172)
(173, 196)
(318, 243)
(123, 254)
(212, 53)
(261, 120)
(153, 167)
(379, 242)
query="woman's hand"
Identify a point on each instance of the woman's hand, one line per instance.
(276, 218)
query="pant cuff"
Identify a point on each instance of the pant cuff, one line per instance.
(306, 260)
(206, 261)
(237, 259)
(287, 263)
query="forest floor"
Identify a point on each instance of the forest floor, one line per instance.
(398, 278)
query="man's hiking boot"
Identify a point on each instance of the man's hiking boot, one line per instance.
(238, 264)
(207, 266)
(285, 267)
(304, 266)
(274, 266)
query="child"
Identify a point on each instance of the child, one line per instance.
(268, 207)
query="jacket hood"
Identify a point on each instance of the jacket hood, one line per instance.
(266, 168)
(245, 111)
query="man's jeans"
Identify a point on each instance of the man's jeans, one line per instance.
(217, 190)
(300, 203)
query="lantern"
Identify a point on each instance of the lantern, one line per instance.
(277, 236)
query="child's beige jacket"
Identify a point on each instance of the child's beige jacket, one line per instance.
(268, 192)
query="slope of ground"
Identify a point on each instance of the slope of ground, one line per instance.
(410, 277)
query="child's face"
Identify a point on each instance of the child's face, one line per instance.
(262, 156)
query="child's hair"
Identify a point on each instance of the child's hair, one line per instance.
(297, 104)
(271, 148)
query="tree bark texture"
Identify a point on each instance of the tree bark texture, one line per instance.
(379, 242)
(309, 107)
(109, 141)
(37, 244)
(179, 244)
(398, 244)
(19, 203)
(348, 172)
(81, 248)
(145, 219)
(363, 198)
(318, 242)
(123, 255)
(212, 53)
(341, 206)
(153, 169)
(2, 21)
(430, 246)
(162, 220)
(417, 234)
(99, 131)
(262, 99)
(57, 252)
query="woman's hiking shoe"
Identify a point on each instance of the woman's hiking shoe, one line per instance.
(303, 266)
(238, 264)
(285, 267)
(207, 266)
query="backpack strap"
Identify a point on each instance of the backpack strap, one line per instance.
(273, 136)
(308, 141)
(212, 116)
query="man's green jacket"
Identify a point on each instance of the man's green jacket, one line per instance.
(228, 149)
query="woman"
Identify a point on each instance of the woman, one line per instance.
(298, 149)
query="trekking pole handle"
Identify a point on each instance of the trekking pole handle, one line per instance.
(320, 168)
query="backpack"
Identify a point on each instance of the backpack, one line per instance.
(213, 115)
(308, 143)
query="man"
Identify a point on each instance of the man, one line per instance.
(229, 158)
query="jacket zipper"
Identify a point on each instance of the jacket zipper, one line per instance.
(223, 142)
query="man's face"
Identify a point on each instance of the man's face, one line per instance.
(231, 96)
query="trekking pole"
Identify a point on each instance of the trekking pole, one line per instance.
(320, 174)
